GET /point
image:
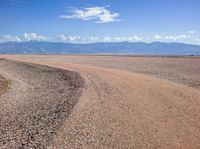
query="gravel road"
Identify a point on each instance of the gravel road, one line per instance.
(123, 109)
(38, 102)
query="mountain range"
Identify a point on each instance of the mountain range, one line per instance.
(132, 48)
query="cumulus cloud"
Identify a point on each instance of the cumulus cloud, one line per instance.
(92, 39)
(100, 14)
(177, 37)
(157, 37)
(107, 39)
(137, 38)
(74, 38)
(171, 37)
(11, 38)
(130, 39)
(34, 36)
(24, 37)
(69, 38)
(62, 37)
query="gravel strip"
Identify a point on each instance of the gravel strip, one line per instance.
(38, 102)
(4, 84)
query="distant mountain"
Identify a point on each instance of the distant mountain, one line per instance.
(135, 48)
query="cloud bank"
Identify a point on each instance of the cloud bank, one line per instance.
(92, 39)
(8, 38)
(171, 37)
(34, 36)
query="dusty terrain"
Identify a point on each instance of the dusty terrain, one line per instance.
(4, 84)
(38, 102)
(184, 70)
(129, 102)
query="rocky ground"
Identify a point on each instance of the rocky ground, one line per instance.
(126, 102)
(38, 102)
(4, 84)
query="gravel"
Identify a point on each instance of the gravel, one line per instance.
(119, 108)
(4, 84)
(37, 104)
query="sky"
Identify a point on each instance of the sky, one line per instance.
(85, 21)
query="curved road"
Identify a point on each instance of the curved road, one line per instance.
(120, 109)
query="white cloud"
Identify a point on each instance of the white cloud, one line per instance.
(177, 37)
(24, 37)
(74, 38)
(130, 39)
(11, 38)
(69, 38)
(100, 14)
(91, 39)
(157, 37)
(34, 36)
(107, 39)
(62, 37)
(191, 32)
(119, 39)
(171, 37)
(137, 38)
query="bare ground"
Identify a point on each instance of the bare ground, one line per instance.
(123, 109)
(183, 70)
(38, 102)
(4, 84)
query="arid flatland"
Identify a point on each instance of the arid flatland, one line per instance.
(184, 70)
(118, 102)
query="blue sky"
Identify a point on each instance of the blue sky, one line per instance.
(103, 20)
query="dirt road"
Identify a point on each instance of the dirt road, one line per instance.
(121, 109)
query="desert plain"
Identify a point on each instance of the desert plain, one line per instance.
(90, 101)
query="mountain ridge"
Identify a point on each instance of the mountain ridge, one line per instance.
(132, 48)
